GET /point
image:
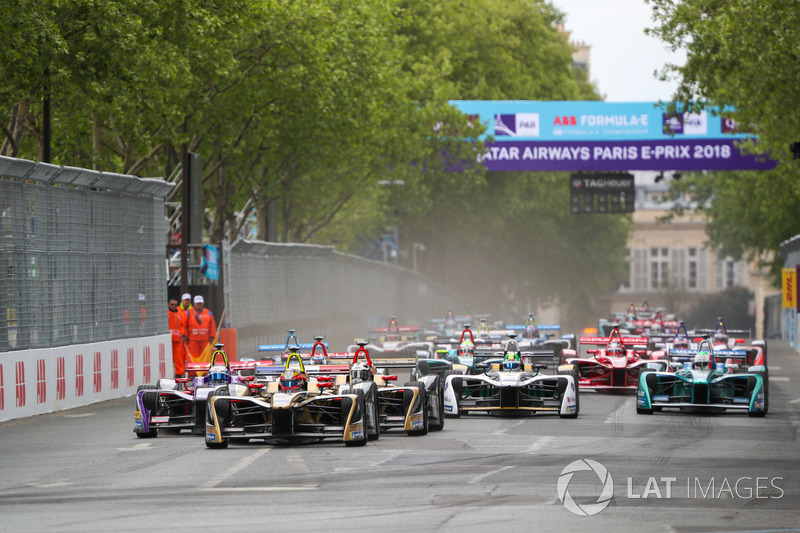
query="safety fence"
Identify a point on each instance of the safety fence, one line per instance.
(270, 287)
(82, 254)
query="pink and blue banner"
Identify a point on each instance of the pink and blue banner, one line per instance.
(600, 136)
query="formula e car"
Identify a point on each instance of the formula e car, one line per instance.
(179, 404)
(396, 341)
(292, 409)
(615, 364)
(700, 379)
(740, 339)
(511, 386)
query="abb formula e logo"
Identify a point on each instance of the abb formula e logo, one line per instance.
(588, 509)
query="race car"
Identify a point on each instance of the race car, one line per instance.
(535, 333)
(396, 341)
(511, 386)
(616, 363)
(416, 407)
(723, 338)
(292, 409)
(179, 404)
(699, 380)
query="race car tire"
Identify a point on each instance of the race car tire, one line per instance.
(765, 376)
(376, 414)
(438, 389)
(407, 398)
(576, 378)
(643, 411)
(221, 408)
(147, 403)
(362, 408)
(457, 388)
(763, 344)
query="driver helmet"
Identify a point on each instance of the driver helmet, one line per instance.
(317, 359)
(292, 380)
(655, 327)
(512, 363)
(703, 360)
(614, 349)
(360, 372)
(466, 348)
(720, 338)
(219, 375)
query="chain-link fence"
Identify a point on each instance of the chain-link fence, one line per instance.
(318, 291)
(82, 254)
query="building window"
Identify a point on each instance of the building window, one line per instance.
(730, 272)
(692, 268)
(659, 268)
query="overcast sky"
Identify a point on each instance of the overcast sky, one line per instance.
(622, 57)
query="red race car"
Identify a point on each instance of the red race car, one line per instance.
(612, 363)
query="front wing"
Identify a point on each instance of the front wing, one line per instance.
(310, 419)
(600, 377)
(742, 392)
(481, 393)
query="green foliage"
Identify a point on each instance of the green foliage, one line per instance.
(309, 105)
(742, 57)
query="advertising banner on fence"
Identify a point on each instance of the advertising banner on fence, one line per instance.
(603, 136)
(788, 288)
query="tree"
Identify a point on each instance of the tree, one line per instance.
(742, 58)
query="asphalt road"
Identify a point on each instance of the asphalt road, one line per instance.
(84, 470)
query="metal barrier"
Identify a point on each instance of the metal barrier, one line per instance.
(318, 291)
(82, 254)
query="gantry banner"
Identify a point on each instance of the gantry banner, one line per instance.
(526, 135)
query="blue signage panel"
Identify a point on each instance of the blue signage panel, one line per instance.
(601, 136)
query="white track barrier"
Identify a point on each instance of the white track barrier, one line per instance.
(33, 382)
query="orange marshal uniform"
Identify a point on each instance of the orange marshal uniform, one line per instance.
(201, 330)
(177, 327)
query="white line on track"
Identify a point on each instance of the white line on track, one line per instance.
(539, 444)
(262, 489)
(795, 401)
(779, 378)
(241, 465)
(82, 415)
(137, 447)
(614, 416)
(478, 479)
(773, 367)
(502, 431)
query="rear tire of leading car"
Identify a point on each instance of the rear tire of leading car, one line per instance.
(407, 395)
(438, 390)
(221, 408)
(153, 432)
(361, 407)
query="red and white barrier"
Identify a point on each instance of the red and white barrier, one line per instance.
(33, 382)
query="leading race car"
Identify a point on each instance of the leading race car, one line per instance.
(511, 386)
(700, 381)
(615, 364)
(179, 404)
(292, 409)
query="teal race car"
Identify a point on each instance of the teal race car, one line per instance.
(705, 380)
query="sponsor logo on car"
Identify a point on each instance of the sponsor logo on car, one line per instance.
(211, 437)
(159, 419)
(357, 434)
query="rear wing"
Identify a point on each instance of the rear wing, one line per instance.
(603, 341)
(284, 347)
